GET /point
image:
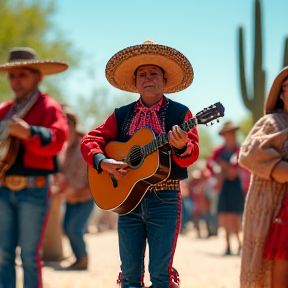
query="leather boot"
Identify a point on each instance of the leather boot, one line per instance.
(81, 264)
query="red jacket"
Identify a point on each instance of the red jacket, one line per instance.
(46, 112)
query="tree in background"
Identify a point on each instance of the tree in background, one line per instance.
(206, 144)
(246, 124)
(255, 101)
(94, 108)
(30, 23)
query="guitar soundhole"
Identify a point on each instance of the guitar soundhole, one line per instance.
(135, 157)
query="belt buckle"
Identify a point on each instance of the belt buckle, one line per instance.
(15, 183)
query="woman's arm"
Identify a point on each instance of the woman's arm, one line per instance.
(280, 172)
(261, 150)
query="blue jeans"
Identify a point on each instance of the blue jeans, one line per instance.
(212, 223)
(187, 206)
(22, 219)
(155, 220)
(75, 221)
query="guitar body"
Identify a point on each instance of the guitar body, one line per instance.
(130, 190)
(8, 152)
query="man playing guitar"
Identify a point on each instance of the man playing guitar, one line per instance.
(32, 131)
(150, 70)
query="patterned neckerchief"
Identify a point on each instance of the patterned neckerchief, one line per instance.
(148, 117)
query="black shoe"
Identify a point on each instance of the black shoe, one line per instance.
(227, 252)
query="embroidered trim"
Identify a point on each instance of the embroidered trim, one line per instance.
(170, 184)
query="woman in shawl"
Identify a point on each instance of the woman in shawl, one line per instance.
(264, 153)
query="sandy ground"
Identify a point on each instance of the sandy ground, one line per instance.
(199, 261)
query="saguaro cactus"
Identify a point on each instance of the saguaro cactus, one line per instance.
(254, 102)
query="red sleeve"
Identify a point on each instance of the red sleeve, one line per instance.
(213, 158)
(192, 152)
(95, 141)
(55, 121)
(4, 108)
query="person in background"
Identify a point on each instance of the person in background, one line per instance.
(231, 196)
(35, 129)
(212, 194)
(151, 70)
(73, 184)
(264, 261)
(187, 203)
(201, 205)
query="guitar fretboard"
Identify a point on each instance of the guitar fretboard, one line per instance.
(207, 115)
(162, 139)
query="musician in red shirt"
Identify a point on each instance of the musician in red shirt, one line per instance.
(32, 131)
(150, 70)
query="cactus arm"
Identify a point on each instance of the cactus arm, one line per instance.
(247, 102)
(257, 51)
(259, 73)
(258, 38)
(285, 60)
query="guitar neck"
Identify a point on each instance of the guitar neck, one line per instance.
(205, 116)
(28, 105)
(162, 139)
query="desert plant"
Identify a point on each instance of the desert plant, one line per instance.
(254, 101)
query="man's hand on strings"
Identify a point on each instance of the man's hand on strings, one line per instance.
(177, 137)
(114, 167)
(19, 128)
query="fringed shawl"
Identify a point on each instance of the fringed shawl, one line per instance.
(263, 148)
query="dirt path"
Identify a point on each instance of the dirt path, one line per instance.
(199, 261)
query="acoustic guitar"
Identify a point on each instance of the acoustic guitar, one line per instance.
(147, 165)
(8, 152)
(9, 145)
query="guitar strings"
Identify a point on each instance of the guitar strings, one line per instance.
(135, 156)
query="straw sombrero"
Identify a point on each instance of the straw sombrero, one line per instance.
(228, 126)
(275, 90)
(25, 57)
(121, 67)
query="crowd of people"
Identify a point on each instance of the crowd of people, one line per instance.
(215, 192)
(241, 187)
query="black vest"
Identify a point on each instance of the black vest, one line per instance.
(175, 115)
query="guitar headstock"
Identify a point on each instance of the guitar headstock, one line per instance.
(210, 114)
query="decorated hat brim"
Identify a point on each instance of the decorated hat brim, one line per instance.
(121, 67)
(275, 90)
(46, 67)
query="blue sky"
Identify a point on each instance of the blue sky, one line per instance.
(205, 31)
